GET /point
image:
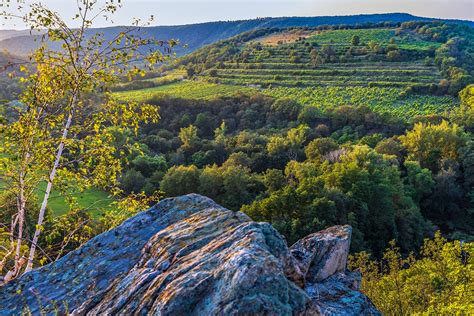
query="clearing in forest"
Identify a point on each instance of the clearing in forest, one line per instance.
(286, 37)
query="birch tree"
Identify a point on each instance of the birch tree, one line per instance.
(64, 136)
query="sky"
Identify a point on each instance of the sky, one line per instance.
(176, 12)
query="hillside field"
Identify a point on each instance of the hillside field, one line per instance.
(389, 70)
(379, 99)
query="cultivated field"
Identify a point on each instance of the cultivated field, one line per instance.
(283, 64)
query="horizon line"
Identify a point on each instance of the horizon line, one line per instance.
(273, 17)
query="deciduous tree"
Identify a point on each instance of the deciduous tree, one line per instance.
(63, 134)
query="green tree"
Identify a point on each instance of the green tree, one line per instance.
(284, 210)
(220, 133)
(380, 202)
(328, 53)
(419, 181)
(444, 205)
(148, 165)
(373, 46)
(274, 180)
(393, 55)
(430, 144)
(316, 58)
(133, 181)
(467, 156)
(392, 147)
(180, 180)
(237, 159)
(238, 187)
(63, 134)
(465, 113)
(362, 188)
(211, 183)
(189, 137)
(355, 41)
(285, 109)
(319, 147)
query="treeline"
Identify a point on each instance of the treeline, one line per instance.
(455, 58)
(303, 170)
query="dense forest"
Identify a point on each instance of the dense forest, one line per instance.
(351, 166)
(304, 167)
(303, 126)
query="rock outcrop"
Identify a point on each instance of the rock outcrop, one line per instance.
(190, 256)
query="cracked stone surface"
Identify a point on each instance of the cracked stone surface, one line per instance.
(190, 256)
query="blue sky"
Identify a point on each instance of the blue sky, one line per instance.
(173, 12)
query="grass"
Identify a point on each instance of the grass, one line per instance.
(93, 200)
(195, 90)
(96, 201)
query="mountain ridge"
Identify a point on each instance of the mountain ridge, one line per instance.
(200, 34)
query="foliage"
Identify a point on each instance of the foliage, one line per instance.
(439, 282)
(342, 125)
(180, 180)
(382, 100)
(188, 136)
(348, 184)
(384, 191)
(63, 133)
(465, 113)
(430, 144)
(191, 90)
(372, 65)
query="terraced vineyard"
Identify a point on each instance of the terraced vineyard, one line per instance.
(291, 64)
(342, 38)
(354, 74)
(375, 71)
(381, 100)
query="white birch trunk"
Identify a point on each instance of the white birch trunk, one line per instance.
(49, 188)
(21, 220)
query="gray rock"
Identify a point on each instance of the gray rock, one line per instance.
(190, 256)
(324, 253)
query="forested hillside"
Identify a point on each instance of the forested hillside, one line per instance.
(309, 127)
(409, 69)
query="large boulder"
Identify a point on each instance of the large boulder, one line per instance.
(190, 256)
(324, 253)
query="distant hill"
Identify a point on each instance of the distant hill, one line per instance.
(198, 35)
(6, 34)
(416, 68)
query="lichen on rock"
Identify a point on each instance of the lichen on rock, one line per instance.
(190, 256)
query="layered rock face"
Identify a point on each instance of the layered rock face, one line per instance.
(190, 256)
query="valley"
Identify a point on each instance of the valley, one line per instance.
(129, 152)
